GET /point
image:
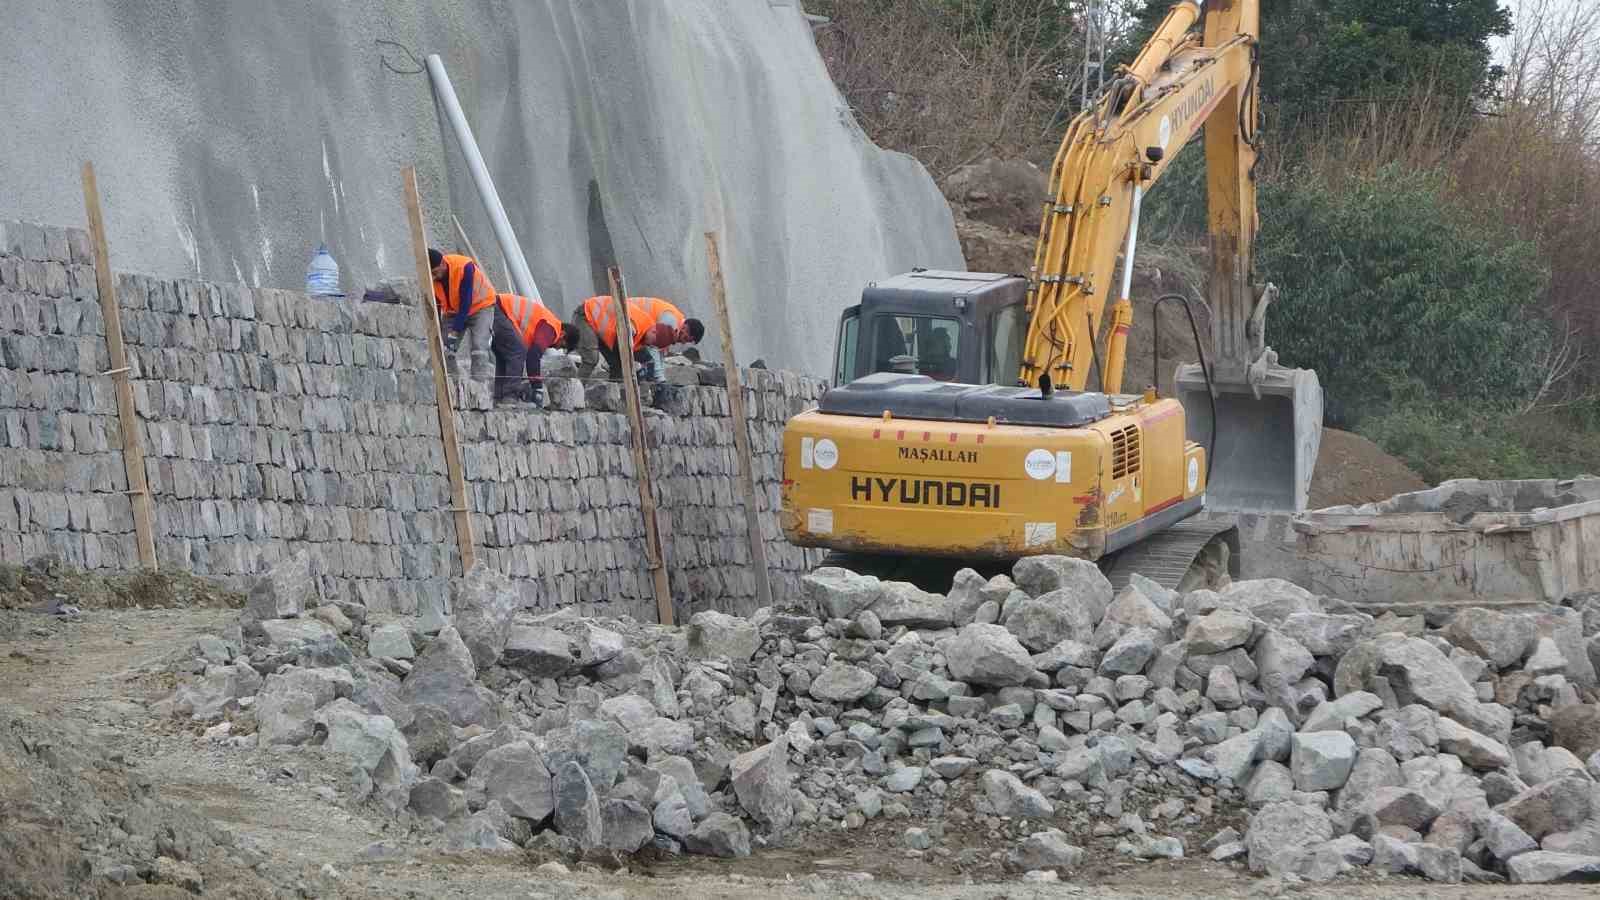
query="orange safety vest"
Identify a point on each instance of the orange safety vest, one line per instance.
(448, 295)
(644, 313)
(525, 316)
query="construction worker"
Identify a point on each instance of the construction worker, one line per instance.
(523, 330)
(466, 302)
(657, 325)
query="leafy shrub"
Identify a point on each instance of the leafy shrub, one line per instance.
(1382, 283)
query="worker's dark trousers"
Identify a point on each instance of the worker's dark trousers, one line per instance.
(510, 359)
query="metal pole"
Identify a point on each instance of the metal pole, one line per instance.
(521, 277)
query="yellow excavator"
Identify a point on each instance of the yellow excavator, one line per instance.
(961, 425)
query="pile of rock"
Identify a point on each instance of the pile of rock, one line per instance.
(1040, 708)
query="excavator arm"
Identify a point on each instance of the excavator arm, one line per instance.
(1114, 152)
(1261, 421)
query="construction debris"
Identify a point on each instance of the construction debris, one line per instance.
(1261, 724)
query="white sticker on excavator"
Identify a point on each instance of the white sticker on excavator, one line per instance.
(807, 453)
(1063, 466)
(826, 454)
(1164, 132)
(1038, 534)
(1194, 474)
(1039, 464)
(819, 521)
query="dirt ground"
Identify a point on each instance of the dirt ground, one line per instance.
(294, 834)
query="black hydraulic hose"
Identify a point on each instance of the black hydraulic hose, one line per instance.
(1205, 368)
(1093, 353)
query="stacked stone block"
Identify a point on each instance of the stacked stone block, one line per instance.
(274, 422)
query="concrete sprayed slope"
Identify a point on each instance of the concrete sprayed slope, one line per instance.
(232, 136)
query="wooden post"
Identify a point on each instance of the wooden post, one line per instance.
(655, 551)
(741, 425)
(441, 384)
(127, 418)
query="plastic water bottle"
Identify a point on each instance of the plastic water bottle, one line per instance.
(322, 276)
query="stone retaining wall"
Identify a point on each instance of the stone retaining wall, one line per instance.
(273, 422)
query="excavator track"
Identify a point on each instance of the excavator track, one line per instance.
(1188, 556)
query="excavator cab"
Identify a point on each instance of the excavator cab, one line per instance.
(965, 327)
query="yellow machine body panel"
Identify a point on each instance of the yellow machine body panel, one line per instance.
(981, 491)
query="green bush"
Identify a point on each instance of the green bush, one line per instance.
(1384, 284)
(1444, 443)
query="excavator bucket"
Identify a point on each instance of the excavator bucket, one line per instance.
(1262, 438)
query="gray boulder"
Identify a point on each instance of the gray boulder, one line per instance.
(1010, 797)
(1541, 867)
(285, 716)
(966, 595)
(516, 776)
(718, 635)
(538, 651)
(1219, 631)
(1047, 849)
(986, 655)
(1501, 638)
(672, 816)
(1131, 653)
(435, 797)
(598, 746)
(1324, 634)
(445, 676)
(391, 641)
(1331, 715)
(837, 593)
(1281, 833)
(625, 826)
(905, 604)
(1272, 600)
(284, 591)
(1474, 749)
(1577, 728)
(577, 807)
(843, 683)
(761, 782)
(484, 602)
(1046, 620)
(1081, 579)
(1322, 760)
(374, 746)
(721, 835)
(1504, 838)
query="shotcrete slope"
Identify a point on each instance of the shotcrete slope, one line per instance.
(230, 137)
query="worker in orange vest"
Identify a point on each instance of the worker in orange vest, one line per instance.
(656, 324)
(523, 330)
(465, 299)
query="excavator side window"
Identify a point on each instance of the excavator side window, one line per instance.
(844, 360)
(1008, 329)
(922, 345)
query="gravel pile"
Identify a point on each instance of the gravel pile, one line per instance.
(1037, 709)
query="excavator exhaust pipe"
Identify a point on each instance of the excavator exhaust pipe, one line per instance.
(1264, 437)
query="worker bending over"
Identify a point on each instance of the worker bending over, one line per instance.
(523, 330)
(656, 324)
(466, 302)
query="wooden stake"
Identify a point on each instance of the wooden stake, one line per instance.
(741, 426)
(441, 384)
(655, 552)
(127, 417)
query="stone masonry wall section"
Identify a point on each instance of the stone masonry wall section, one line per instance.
(274, 422)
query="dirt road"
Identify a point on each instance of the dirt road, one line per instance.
(296, 834)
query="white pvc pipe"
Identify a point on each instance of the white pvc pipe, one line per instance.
(521, 277)
(1133, 242)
